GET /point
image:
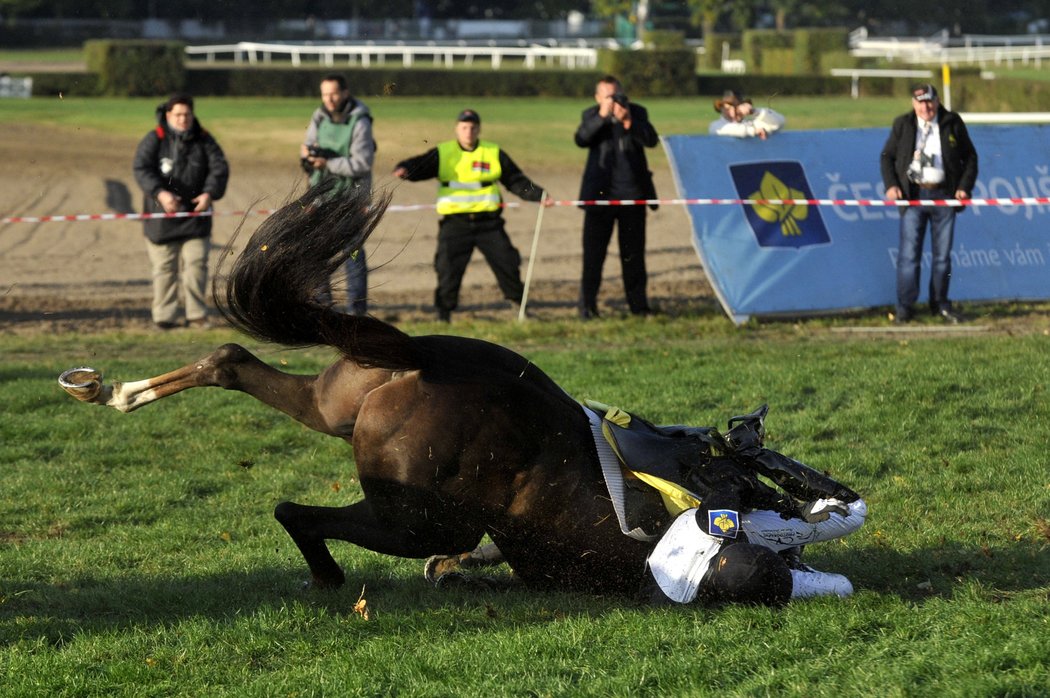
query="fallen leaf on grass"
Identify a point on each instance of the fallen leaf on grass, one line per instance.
(361, 607)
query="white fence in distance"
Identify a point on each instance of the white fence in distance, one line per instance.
(367, 53)
(971, 49)
(21, 88)
(857, 73)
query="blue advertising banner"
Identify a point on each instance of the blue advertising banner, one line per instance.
(770, 259)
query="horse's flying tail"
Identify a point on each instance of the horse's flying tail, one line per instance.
(271, 292)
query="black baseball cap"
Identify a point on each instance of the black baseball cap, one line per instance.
(924, 92)
(469, 115)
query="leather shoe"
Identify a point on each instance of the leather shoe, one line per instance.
(950, 316)
(589, 313)
(901, 316)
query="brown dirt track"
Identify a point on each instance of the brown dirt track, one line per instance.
(94, 275)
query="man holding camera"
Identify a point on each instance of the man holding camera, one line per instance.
(616, 131)
(928, 155)
(339, 144)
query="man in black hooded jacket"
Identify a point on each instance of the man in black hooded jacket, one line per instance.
(180, 169)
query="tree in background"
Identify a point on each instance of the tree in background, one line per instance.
(894, 16)
(706, 13)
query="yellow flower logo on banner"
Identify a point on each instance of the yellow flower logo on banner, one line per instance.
(787, 215)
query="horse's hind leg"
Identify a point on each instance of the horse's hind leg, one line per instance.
(327, 402)
(310, 526)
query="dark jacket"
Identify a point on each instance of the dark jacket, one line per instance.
(957, 151)
(187, 165)
(601, 136)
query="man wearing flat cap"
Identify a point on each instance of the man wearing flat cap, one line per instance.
(928, 155)
(469, 172)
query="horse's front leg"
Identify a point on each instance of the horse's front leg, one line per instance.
(232, 367)
(402, 535)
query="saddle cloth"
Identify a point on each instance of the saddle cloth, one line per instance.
(676, 497)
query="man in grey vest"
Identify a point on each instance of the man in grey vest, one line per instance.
(339, 144)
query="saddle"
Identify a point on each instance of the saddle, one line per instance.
(687, 465)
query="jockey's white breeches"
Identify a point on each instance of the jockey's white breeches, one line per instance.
(768, 528)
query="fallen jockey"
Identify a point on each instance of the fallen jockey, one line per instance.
(724, 534)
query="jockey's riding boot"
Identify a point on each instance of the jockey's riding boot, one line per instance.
(793, 558)
(809, 582)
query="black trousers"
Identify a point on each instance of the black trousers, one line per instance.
(598, 222)
(458, 235)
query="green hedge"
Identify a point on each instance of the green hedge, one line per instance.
(659, 72)
(969, 91)
(798, 52)
(757, 43)
(812, 44)
(303, 82)
(58, 84)
(136, 68)
(712, 57)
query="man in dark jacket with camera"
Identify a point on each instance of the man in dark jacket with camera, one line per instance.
(181, 169)
(616, 131)
(928, 155)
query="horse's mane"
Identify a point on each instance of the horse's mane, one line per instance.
(271, 288)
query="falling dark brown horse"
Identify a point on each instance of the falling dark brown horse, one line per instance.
(454, 438)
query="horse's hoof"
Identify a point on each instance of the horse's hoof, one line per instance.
(83, 383)
(437, 566)
(450, 580)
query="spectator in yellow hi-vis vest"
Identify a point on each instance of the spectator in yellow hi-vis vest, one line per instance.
(469, 172)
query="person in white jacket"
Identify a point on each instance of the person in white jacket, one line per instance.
(739, 118)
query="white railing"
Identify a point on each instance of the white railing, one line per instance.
(16, 87)
(858, 73)
(1030, 117)
(973, 49)
(365, 54)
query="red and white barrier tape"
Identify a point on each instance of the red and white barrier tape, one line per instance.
(178, 214)
(903, 203)
(885, 203)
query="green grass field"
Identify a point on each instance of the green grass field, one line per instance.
(138, 554)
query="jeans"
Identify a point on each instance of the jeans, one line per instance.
(357, 283)
(941, 221)
(356, 268)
